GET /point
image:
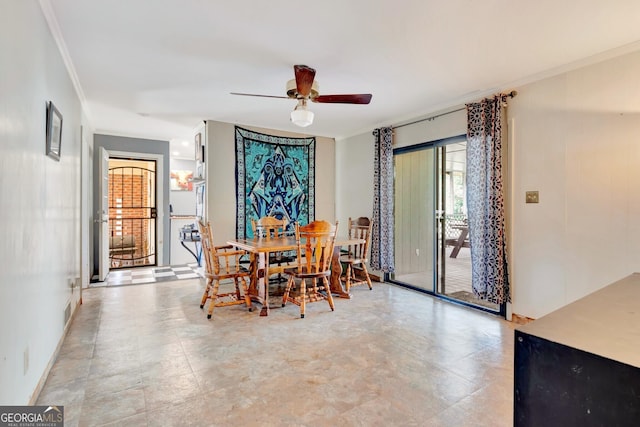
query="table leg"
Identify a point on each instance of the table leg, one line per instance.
(256, 283)
(253, 274)
(336, 271)
(195, 254)
(259, 285)
(263, 283)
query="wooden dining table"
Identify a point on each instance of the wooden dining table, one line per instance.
(260, 250)
(461, 241)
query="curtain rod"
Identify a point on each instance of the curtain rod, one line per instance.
(511, 94)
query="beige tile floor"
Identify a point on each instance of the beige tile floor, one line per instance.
(146, 355)
(458, 273)
(458, 279)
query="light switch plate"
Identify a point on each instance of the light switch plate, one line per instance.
(531, 197)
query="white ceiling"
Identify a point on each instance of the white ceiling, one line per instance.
(156, 68)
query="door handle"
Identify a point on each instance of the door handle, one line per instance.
(100, 221)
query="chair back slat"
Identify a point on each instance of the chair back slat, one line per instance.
(212, 261)
(360, 229)
(314, 248)
(222, 263)
(315, 243)
(207, 250)
(357, 254)
(269, 227)
(215, 262)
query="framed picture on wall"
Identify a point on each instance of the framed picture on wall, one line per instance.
(199, 148)
(181, 180)
(53, 131)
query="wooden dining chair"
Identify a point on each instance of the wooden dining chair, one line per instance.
(314, 243)
(357, 254)
(222, 263)
(268, 228)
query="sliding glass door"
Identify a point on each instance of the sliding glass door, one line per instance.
(432, 249)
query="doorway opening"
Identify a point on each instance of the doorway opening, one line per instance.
(132, 213)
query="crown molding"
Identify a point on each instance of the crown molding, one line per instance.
(52, 21)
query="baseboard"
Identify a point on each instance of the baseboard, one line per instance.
(54, 357)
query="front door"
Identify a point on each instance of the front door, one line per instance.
(102, 216)
(132, 212)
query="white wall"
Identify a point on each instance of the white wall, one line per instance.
(354, 178)
(575, 138)
(221, 184)
(86, 196)
(39, 201)
(577, 141)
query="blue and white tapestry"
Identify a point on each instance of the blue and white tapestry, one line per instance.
(275, 176)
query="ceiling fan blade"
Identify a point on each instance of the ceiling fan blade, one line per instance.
(361, 98)
(304, 79)
(261, 96)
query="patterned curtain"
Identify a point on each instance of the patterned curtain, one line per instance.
(485, 201)
(383, 224)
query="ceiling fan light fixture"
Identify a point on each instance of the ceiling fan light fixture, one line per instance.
(304, 88)
(300, 116)
(292, 90)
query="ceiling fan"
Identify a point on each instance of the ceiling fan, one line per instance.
(304, 88)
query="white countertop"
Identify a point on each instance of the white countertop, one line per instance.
(605, 323)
